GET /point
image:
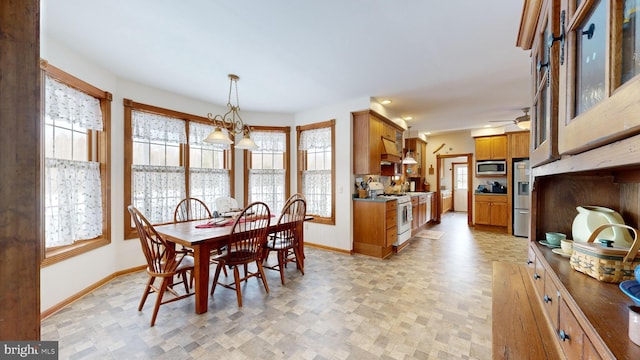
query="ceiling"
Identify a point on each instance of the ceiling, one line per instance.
(451, 65)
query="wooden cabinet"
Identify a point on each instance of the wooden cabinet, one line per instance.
(374, 227)
(491, 147)
(492, 210)
(415, 212)
(418, 149)
(434, 207)
(446, 200)
(519, 144)
(422, 212)
(369, 128)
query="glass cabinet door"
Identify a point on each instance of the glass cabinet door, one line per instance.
(599, 75)
(546, 63)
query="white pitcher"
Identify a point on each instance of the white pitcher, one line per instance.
(590, 217)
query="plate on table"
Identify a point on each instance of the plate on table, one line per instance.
(632, 289)
(561, 253)
(545, 243)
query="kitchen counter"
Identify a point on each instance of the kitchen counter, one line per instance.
(489, 193)
(375, 199)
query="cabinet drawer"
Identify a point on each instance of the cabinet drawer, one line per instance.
(538, 277)
(392, 205)
(392, 235)
(414, 200)
(551, 300)
(531, 262)
(392, 218)
(570, 333)
(422, 199)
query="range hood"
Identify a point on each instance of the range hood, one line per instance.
(389, 152)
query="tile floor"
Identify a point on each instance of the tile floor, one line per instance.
(430, 301)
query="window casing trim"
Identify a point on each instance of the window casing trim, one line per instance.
(130, 105)
(103, 156)
(301, 166)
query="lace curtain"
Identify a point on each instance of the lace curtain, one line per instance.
(153, 127)
(315, 139)
(316, 184)
(73, 201)
(156, 190)
(270, 141)
(65, 103)
(316, 187)
(199, 132)
(209, 184)
(267, 185)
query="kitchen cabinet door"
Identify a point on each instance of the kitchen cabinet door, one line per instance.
(519, 145)
(491, 147)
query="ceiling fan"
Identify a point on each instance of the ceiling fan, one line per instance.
(523, 121)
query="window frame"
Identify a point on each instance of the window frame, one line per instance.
(100, 151)
(302, 166)
(129, 106)
(286, 158)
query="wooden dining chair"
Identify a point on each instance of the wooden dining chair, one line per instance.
(244, 246)
(163, 262)
(191, 209)
(287, 241)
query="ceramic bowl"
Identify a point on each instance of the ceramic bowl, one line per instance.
(554, 238)
(637, 273)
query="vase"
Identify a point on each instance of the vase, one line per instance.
(590, 217)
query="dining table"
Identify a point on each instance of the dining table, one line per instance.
(202, 237)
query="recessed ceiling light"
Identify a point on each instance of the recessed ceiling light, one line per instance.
(408, 117)
(385, 102)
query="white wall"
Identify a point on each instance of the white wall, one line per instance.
(339, 236)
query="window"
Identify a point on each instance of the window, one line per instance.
(316, 166)
(461, 177)
(267, 170)
(159, 145)
(76, 146)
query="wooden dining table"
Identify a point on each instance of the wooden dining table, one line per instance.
(204, 239)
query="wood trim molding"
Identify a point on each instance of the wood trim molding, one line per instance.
(59, 306)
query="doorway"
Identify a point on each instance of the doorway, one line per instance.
(453, 175)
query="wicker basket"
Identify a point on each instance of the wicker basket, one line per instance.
(609, 264)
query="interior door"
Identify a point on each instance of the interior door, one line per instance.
(460, 187)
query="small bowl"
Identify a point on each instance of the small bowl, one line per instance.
(554, 238)
(637, 273)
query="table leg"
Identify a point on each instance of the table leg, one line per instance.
(201, 277)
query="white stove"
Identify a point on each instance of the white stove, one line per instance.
(405, 216)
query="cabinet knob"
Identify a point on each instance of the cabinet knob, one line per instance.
(536, 276)
(529, 262)
(547, 299)
(564, 336)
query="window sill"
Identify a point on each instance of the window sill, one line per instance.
(321, 220)
(57, 255)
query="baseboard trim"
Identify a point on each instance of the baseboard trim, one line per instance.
(323, 247)
(59, 306)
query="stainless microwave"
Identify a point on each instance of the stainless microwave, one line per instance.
(491, 167)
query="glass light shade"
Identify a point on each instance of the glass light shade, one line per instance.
(409, 160)
(526, 125)
(218, 137)
(246, 143)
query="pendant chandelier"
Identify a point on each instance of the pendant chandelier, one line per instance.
(408, 159)
(231, 122)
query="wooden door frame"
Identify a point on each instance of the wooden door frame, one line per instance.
(439, 159)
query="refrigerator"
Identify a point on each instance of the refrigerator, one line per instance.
(521, 198)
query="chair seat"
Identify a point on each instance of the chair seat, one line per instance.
(234, 257)
(280, 243)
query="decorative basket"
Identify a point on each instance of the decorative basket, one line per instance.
(603, 261)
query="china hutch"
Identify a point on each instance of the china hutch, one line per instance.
(585, 150)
